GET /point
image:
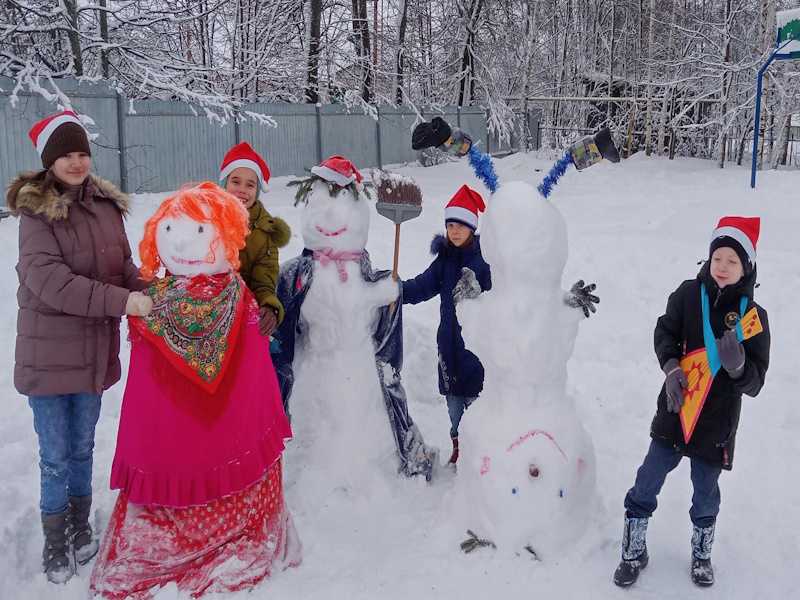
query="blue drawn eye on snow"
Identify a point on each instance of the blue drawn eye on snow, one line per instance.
(513, 490)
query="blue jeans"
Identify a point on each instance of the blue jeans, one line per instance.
(640, 500)
(65, 425)
(456, 405)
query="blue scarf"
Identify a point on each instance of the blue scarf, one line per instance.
(708, 333)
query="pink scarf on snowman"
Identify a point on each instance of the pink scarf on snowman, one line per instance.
(325, 256)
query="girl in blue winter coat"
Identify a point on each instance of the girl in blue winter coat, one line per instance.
(457, 272)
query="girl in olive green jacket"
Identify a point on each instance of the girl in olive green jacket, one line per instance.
(244, 173)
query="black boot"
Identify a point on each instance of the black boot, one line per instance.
(55, 560)
(634, 552)
(454, 456)
(702, 541)
(84, 544)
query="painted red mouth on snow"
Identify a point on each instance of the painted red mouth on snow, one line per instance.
(184, 261)
(328, 233)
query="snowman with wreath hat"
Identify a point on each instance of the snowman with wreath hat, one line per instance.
(340, 346)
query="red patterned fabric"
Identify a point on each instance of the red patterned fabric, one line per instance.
(226, 545)
(194, 323)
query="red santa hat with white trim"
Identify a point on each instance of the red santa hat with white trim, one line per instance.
(58, 135)
(740, 234)
(243, 155)
(338, 170)
(464, 207)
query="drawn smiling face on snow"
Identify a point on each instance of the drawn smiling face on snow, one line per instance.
(338, 222)
(528, 486)
(198, 230)
(189, 247)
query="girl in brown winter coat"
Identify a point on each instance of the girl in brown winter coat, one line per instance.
(76, 280)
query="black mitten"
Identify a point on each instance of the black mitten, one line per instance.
(430, 135)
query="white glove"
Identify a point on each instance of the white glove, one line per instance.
(384, 292)
(138, 305)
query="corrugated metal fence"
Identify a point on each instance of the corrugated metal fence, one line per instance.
(163, 144)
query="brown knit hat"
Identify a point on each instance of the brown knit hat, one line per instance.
(58, 135)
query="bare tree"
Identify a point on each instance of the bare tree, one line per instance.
(672, 73)
(312, 80)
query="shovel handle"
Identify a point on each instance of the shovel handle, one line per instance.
(396, 259)
(396, 249)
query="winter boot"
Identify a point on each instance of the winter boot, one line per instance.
(84, 544)
(702, 540)
(454, 456)
(634, 552)
(55, 560)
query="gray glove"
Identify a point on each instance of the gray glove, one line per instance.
(676, 382)
(473, 542)
(580, 296)
(731, 354)
(467, 287)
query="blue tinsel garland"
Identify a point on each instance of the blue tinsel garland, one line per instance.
(483, 167)
(556, 171)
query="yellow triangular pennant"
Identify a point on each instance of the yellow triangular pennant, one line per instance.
(751, 324)
(698, 372)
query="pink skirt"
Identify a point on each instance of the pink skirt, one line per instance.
(180, 446)
(227, 545)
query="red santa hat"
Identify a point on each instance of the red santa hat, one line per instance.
(739, 233)
(338, 170)
(58, 135)
(243, 155)
(464, 207)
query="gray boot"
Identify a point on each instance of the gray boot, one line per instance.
(702, 541)
(634, 552)
(84, 543)
(55, 558)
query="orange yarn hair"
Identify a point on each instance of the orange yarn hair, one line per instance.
(206, 203)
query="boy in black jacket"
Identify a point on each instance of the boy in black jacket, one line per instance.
(703, 313)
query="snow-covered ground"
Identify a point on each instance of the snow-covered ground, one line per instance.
(637, 228)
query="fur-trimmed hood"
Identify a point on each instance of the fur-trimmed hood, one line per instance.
(440, 245)
(275, 227)
(34, 192)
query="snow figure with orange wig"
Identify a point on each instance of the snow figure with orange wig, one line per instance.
(202, 429)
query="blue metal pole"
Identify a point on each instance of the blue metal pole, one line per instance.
(757, 119)
(756, 127)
